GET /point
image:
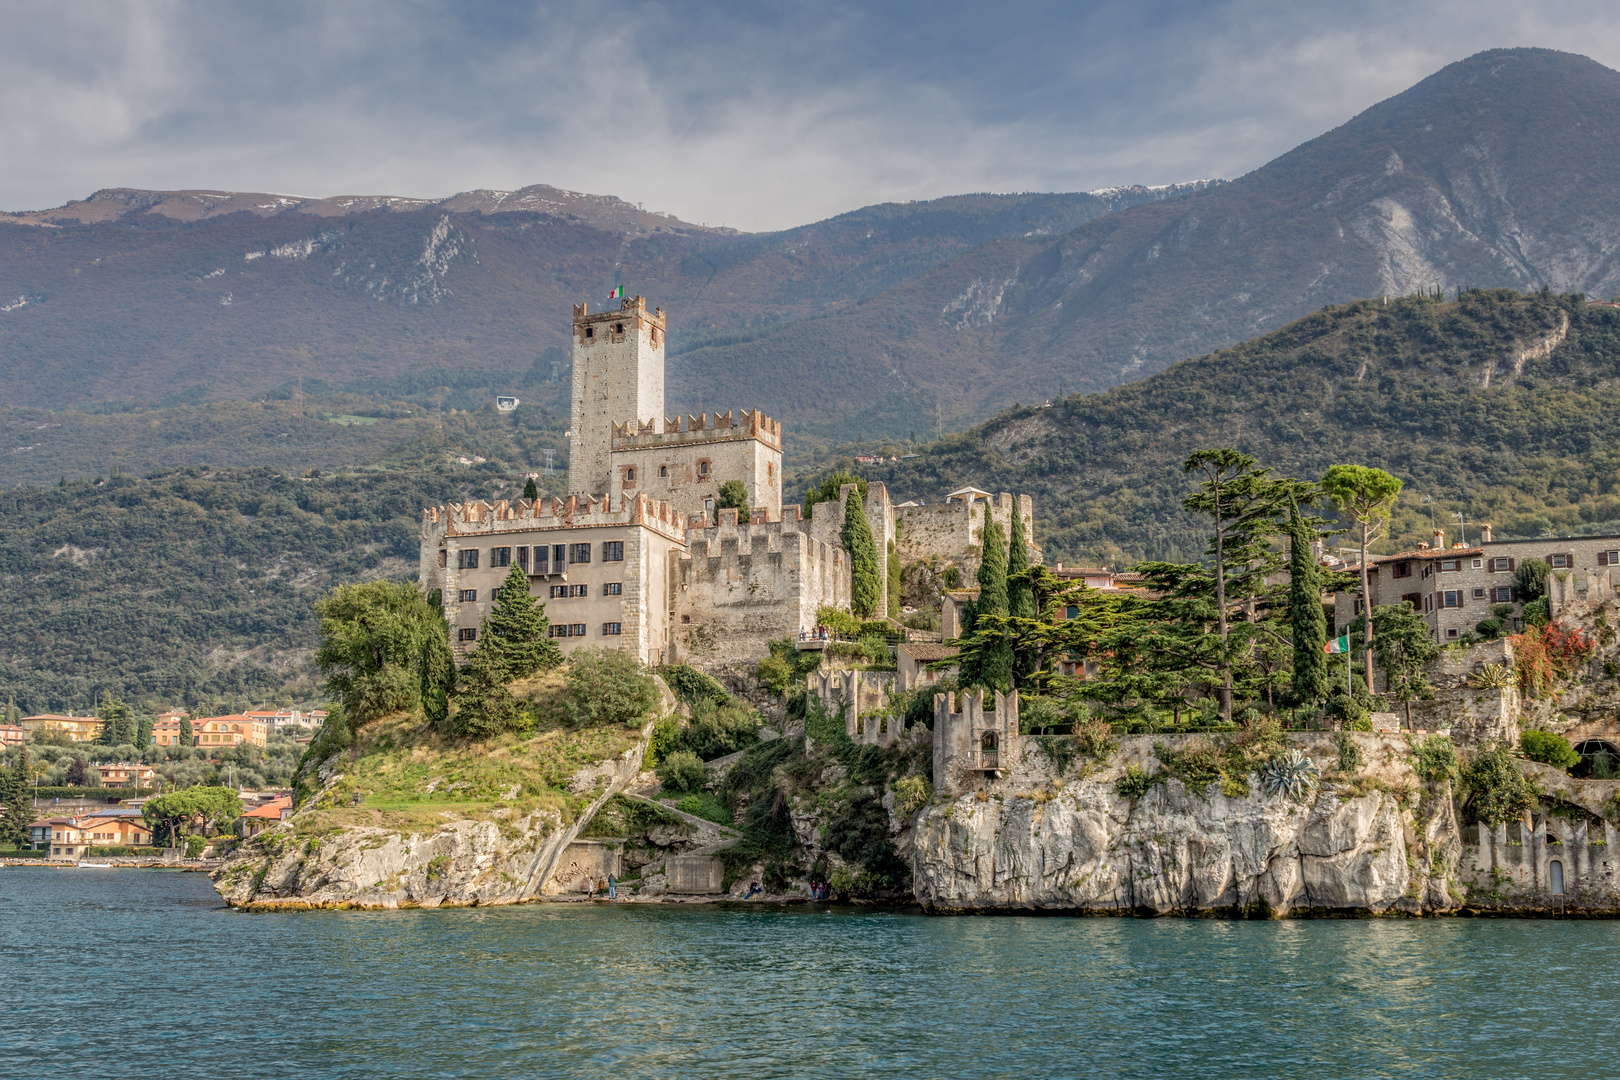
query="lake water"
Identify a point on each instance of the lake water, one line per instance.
(121, 973)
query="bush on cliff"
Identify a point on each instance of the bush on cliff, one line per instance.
(1497, 791)
(608, 686)
(682, 772)
(378, 639)
(1548, 748)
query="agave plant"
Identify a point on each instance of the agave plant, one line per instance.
(1493, 677)
(1291, 775)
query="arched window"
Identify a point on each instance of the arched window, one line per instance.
(770, 472)
(663, 472)
(1555, 877)
(629, 476)
(703, 468)
(989, 755)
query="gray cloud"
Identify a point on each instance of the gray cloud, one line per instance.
(758, 116)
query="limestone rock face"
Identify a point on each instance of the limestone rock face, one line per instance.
(1077, 844)
(505, 860)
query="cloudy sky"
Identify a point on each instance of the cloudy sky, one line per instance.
(758, 115)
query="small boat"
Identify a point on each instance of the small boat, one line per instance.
(95, 866)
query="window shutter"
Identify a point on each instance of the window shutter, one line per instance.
(1569, 560)
(1510, 563)
(1603, 558)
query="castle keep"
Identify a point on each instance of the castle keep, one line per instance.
(639, 556)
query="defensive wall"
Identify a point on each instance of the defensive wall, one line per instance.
(686, 462)
(740, 584)
(950, 531)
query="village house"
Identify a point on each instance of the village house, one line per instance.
(266, 816)
(76, 728)
(911, 660)
(72, 837)
(1457, 587)
(220, 731)
(166, 730)
(126, 774)
(13, 734)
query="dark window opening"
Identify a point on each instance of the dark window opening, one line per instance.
(1403, 569)
(501, 556)
(469, 596)
(663, 471)
(609, 629)
(579, 553)
(613, 588)
(468, 633)
(523, 557)
(613, 551)
(468, 559)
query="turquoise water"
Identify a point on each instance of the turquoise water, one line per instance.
(120, 973)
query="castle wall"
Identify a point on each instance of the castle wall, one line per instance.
(669, 464)
(950, 531)
(618, 376)
(961, 758)
(740, 585)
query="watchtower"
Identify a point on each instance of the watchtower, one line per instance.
(618, 377)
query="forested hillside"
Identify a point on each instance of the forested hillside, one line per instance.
(196, 585)
(1503, 406)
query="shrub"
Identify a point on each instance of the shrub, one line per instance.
(692, 685)
(1546, 655)
(1489, 629)
(718, 730)
(1436, 758)
(606, 686)
(1291, 775)
(706, 806)
(1095, 739)
(682, 771)
(1042, 715)
(1349, 752)
(194, 846)
(1548, 748)
(1134, 784)
(1497, 790)
(1347, 710)
(1537, 613)
(776, 674)
(664, 736)
(911, 794)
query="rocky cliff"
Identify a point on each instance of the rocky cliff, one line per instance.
(1366, 840)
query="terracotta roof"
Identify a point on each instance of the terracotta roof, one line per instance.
(271, 809)
(927, 650)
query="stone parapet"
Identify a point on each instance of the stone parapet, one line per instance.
(704, 427)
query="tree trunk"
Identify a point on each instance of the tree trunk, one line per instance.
(1366, 603)
(1224, 695)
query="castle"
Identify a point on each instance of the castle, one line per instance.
(640, 557)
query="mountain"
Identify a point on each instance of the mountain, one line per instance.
(1502, 406)
(1502, 170)
(195, 295)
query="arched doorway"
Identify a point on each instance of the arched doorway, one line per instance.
(1555, 878)
(1600, 759)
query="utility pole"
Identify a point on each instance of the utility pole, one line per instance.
(549, 454)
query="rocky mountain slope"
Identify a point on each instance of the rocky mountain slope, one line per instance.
(1501, 406)
(141, 295)
(1500, 170)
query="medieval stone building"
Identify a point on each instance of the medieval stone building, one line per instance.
(639, 556)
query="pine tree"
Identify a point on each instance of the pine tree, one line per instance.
(530, 491)
(516, 634)
(438, 674)
(1312, 681)
(143, 731)
(866, 584)
(482, 706)
(996, 669)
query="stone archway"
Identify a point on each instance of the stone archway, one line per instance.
(1599, 758)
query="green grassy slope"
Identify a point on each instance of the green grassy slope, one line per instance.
(1402, 386)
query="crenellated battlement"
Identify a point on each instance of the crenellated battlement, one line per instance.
(521, 515)
(972, 740)
(704, 427)
(862, 697)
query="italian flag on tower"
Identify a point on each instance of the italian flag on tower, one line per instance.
(1338, 645)
(617, 293)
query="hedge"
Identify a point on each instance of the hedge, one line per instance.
(111, 794)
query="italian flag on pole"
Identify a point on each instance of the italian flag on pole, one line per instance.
(617, 293)
(1338, 645)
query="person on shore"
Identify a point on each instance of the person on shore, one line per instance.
(613, 887)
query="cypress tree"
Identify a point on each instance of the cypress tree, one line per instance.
(438, 674)
(894, 581)
(15, 793)
(186, 734)
(143, 731)
(516, 632)
(1020, 594)
(530, 491)
(1312, 682)
(995, 671)
(866, 584)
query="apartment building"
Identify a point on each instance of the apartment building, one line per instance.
(217, 731)
(1458, 587)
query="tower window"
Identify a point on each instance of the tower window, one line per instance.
(663, 472)
(590, 332)
(703, 468)
(629, 476)
(618, 328)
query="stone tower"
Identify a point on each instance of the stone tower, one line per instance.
(618, 377)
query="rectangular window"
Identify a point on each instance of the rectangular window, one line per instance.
(613, 588)
(613, 551)
(468, 633)
(562, 630)
(501, 556)
(1613, 558)
(559, 592)
(1415, 599)
(1478, 563)
(467, 559)
(443, 558)
(523, 557)
(1558, 562)
(579, 629)
(1451, 598)
(1451, 632)
(1403, 569)
(542, 559)
(579, 553)
(579, 590)
(610, 629)
(1448, 566)
(1071, 612)
(1498, 565)
(559, 554)
(469, 596)
(1479, 594)
(1502, 595)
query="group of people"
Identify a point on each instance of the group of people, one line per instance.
(818, 890)
(607, 887)
(818, 633)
